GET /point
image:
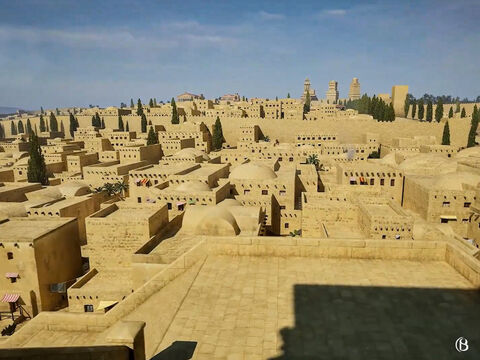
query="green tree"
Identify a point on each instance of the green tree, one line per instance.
(29, 127)
(41, 110)
(446, 134)
(150, 103)
(414, 109)
(144, 123)
(175, 118)
(457, 106)
(37, 170)
(463, 114)
(472, 134)
(406, 105)
(62, 127)
(127, 128)
(103, 123)
(42, 124)
(306, 105)
(429, 114)
(313, 159)
(152, 137)
(154, 102)
(98, 121)
(475, 114)
(276, 98)
(288, 96)
(131, 104)
(53, 123)
(2, 132)
(450, 112)
(13, 128)
(439, 110)
(139, 107)
(21, 130)
(120, 122)
(72, 124)
(217, 137)
(93, 121)
(421, 109)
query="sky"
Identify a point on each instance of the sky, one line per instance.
(58, 53)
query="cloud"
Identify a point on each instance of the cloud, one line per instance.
(334, 12)
(178, 35)
(270, 16)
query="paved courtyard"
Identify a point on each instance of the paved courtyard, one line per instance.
(304, 308)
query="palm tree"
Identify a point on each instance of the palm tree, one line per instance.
(295, 233)
(313, 159)
(109, 188)
(120, 189)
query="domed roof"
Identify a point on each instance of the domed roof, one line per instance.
(189, 152)
(472, 151)
(74, 188)
(455, 181)
(252, 171)
(218, 221)
(229, 202)
(434, 163)
(193, 185)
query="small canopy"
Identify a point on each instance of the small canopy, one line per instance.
(11, 275)
(180, 203)
(10, 298)
(352, 179)
(106, 304)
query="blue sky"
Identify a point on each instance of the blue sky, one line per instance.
(66, 53)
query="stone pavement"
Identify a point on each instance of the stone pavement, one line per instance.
(307, 308)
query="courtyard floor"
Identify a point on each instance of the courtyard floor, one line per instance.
(305, 308)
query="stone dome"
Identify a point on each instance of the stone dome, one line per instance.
(252, 171)
(229, 202)
(194, 185)
(218, 221)
(189, 152)
(74, 188)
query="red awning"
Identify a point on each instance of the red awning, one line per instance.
(10, 298)
(11, 275)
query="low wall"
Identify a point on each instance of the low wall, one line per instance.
(69, 353)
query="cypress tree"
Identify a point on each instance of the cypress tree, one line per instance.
(414, 109)
(406, 105)
(217, 138)
(150, 122)
(154, 102)
(120, 122)
(93, 121)
(276, 98)
(421, 109)
(127, 128)
(306, 106)
(463, 114)
(391, 112)
(152, 137)
(37, 170)
(29, 127)
(439, 110)
(450, 112)
(288, 96)
(150, 103)
(53, 123)
(21, 130)
(2, 132)
(98, 121)
(472, 134)
(13, 128)
(475, 114)
(175, 118)
(72, 125)
(41, 110)
(62, 128)
(429, 114)
(103, 123)
(144, 123)
(446, 134)
(42, 124)
(457, 106)
(131, 103)
(36, 130)
(139, 107)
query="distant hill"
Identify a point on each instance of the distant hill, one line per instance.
(8, 109)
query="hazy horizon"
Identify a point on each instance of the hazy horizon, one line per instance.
(67, 53)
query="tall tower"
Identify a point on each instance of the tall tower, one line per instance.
(307, 88)
(332, 93)
(354, 93)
